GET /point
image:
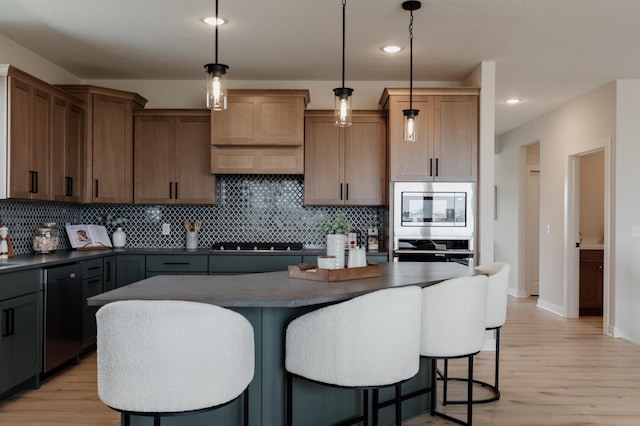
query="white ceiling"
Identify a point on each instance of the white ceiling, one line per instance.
(547, 52)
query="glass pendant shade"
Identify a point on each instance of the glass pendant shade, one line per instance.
(216, 88)
(410, 115)
(343, 111)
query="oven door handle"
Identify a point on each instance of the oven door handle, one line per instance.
(442, 252)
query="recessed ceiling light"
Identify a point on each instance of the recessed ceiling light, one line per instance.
(513, 101)
(391, 49)
(211, 20)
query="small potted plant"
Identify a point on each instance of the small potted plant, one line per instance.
(336, 230)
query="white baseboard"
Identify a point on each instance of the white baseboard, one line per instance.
(558, 310)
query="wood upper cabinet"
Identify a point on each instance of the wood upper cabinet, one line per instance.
(345, 165)
(67, 138)
(171, 151)
(261, 132)
(108, 149)
(45, 136)
(29, 139)
(447, 132)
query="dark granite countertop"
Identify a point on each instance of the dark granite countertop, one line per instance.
(30, 261)
(276, 289)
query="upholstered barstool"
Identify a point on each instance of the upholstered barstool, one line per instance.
(453, 326)
(160, 358)
(368, 342)
(497, 296)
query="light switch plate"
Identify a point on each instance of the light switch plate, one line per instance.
(166, 229)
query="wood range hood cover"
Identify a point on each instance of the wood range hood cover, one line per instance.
(261, 132)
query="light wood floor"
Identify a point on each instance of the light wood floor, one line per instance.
(554, 371)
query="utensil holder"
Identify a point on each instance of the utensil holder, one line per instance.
(192, 240)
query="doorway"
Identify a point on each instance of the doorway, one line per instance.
(588, 227)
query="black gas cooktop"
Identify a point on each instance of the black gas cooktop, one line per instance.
(258, 247)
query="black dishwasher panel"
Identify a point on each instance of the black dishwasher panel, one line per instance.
(62, 315)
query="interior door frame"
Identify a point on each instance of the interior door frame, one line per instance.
(572, 235)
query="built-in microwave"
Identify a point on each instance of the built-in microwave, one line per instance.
(441, 210)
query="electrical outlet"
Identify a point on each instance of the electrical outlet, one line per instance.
(166, 229)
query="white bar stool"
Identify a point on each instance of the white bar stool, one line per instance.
(161, 358)
(370, 342)
(497, 297)
(453, 326)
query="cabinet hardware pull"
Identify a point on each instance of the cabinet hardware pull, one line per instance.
(436, 167)
(108, 276)
(175, 263)
(93, 268)
(32, 177)
(9, 322)
(340, 191)
(176, 191)
(347, 197)
(69, 186)
(97, 189)
(36, 186)
(170, 190)
(430, 166)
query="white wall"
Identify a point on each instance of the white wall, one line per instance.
(626, 266)
(579, 126)
(14, 54)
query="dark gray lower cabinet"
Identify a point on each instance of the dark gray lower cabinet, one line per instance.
(250, 263)
(92, 283)
(176, 264)
(21, 339)
(130, 268)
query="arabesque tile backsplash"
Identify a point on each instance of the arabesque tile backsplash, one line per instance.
(249, 208)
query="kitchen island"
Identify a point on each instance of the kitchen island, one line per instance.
(269, 301)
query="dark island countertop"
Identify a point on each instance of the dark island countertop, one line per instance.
(276, 289)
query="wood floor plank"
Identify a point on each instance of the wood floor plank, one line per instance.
(554, 371)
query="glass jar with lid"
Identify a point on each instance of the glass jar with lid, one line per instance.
(46, 238)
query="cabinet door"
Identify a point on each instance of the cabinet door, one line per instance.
(30, 135)
(20, 114)
(323, 162)
(364, 165)
(130, 268)
(41, 144)
(67, 132)
(456, 138)
(259, 120)
(154, 154)
(112, 150)
(194, 183)
(21, 339)
(411, 161)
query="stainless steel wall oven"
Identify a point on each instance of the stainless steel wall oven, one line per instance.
(433, 221)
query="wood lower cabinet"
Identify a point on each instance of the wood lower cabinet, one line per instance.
(261, 132)
(447, 135)
(171, 150)
(108, 149)
(345, 165)
(591, 282)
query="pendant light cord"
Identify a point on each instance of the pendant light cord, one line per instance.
(411, 60)
(344, 4)
(217, 31)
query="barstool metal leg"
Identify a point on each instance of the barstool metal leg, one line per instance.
(289, 397)
(246, 407)
(398, 405)
(470, 392)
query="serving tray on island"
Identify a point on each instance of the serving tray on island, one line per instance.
(312, 272)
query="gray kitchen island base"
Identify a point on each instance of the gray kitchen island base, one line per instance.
(270, 301)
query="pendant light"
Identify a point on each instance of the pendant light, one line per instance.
(410, 114)
(216, 89)
(343, 94)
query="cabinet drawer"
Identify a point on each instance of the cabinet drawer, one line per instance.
(16, 284)
(92, 268)
(244, 264)
(596, 256)
(179, 263)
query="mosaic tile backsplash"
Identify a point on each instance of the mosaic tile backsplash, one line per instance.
(256, 208)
